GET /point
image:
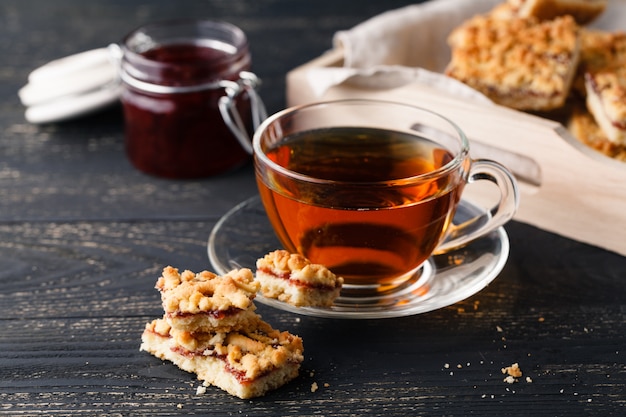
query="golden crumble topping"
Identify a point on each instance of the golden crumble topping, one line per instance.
(598, 49)
(197, 341)
(601, 48)
(250, 353)
(518, 62)
(295, 266)
(160, 327)
(206, 291)
(260, 351)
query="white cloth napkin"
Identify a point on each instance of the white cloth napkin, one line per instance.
(399, 47)
(413, 36)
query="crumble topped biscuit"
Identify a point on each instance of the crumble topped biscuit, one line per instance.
(583, 11)
(207, 301)
(602, 69)
(598, 49)
(292, 278)
(606, 100)
(247, 363)
(583, 127)
(521, 63)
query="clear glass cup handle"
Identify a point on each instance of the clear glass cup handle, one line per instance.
(247, 83)
(461, 234)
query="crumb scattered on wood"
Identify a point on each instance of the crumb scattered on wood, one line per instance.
(513, 370)
(512, 373)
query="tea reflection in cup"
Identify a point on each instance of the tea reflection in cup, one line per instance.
(370, 188)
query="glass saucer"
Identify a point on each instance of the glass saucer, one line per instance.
(244, 234)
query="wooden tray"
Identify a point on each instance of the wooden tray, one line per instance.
(566, 188)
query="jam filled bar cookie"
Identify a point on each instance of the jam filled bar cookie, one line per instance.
(522, 63)
(206, 301)
(603, 65)
(606, 100)
(246, 363)
(295, 280)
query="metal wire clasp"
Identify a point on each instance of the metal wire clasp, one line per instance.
(247, 83)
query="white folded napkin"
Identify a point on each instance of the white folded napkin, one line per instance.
(412, 36)
(399, 47)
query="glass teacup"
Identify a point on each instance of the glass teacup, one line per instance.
(370, 188)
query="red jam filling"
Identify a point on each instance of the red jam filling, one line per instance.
(287, 276)
(238, 374)
(217, 314)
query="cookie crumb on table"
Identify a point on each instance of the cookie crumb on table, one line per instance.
(513, 372)
(510, 380)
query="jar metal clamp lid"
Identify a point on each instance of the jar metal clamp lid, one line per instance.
(247, 83)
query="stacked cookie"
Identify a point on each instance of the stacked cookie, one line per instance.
(537, 56)
(293, 279)
(210, 328)
(522, 63)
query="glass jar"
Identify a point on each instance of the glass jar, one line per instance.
(176, 76)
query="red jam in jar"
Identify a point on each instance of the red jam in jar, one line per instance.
(174, 74)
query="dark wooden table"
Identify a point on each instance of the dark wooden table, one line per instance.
(83, 237)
